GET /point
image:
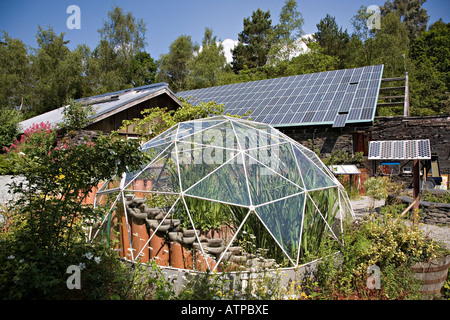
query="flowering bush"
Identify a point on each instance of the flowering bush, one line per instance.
(391, 246)
(47, 229)
(37, 139)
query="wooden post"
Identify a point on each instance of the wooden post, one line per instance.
(416, 177)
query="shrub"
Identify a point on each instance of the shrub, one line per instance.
(76, 116)
(47, 225)
(393, 247)
(9, 121)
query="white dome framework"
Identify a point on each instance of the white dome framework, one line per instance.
(223, 193)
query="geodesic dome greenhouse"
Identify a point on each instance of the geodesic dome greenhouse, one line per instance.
(223, 193)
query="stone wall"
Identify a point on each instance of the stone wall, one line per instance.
(435, 128)
(324, 138)
(327, 139)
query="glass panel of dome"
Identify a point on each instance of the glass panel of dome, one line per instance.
(283, 219)
(313, 177)
(163, 138)
(161, 175)
(227, 184)
(261, 135)
(322, 214)
(196, 162)
(266, 185)
(255, 246)
(220, 134)
(280, 159)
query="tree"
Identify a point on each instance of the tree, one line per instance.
(361, 45)
(124, 34)
(9, 126)
(313, 61)
(144, 69)
(119, 60)
(174, 66)
(207, 62)
(414, 17)
(288, 30)
(56, 72)
(430, 76)
(331, 38)
(15, 69)
(390, 44)
(255, 41)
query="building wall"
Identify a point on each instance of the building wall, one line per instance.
(356, 138)
(114, 122)
(435, 128)
(326, 139)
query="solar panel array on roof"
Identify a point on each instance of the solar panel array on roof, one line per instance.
(334, 97)
(400, 150)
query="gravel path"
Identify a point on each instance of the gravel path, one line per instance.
(361, 207)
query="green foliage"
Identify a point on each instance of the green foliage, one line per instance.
(390, 43)
(377, 188)
(255, 41)
(391, 246)
(57, 73)
(174, 66)
(331, 38)
(430, 79)
(144, 69)
(9, 126)
(263, 285)
(47, 230)
(287, 31)
(15, 72)
(440, 198)
(76, 116)
(119, 60)
(343, 157)
(414, 17)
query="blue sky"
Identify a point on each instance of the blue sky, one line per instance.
(166, 20)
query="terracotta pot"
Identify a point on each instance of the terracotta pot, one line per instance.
(139, 238)
(159, 250)
(139, 185)
(180, 257)
(200, 262)
(125, 240)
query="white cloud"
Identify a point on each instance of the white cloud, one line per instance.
(301, 47)
(228, 45)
